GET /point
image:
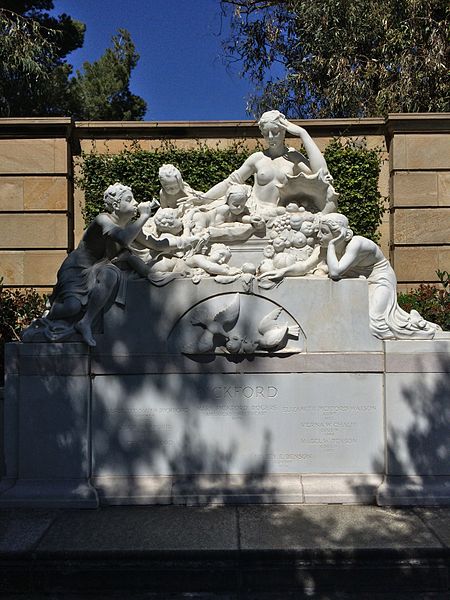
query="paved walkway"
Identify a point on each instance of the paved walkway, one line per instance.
(225, 553)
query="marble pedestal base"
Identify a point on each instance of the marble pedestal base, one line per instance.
(339, 418)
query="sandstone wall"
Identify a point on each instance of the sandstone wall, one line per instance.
(419, 165)
(36, 199)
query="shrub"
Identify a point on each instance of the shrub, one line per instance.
(356, 171)
(431, 301)
(17, 309)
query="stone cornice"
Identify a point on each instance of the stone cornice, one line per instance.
(42, 127)
(417, 123)
(220, 129)
(36, 127)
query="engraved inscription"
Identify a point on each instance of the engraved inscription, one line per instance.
(291, 423)
(249, 392)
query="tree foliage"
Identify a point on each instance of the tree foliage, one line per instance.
(431, 301)
(35, 73)
(102, 91)
(36, 79)
(342, 58)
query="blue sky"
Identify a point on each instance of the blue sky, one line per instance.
(181, 73)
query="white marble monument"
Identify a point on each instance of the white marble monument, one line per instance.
(240, 345)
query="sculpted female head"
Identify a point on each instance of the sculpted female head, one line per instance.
(271, 128)
(330, 226)
(271, 116)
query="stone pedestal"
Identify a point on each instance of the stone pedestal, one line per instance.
(336, 416)
(47, 426)
(417, 423)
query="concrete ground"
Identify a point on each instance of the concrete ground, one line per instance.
(265, 552)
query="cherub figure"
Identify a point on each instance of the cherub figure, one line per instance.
(230, 221)
(215, 262)
(161, 252)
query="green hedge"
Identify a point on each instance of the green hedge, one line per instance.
(201, 167)
(355, 171)
(17, 309)
(432, 302)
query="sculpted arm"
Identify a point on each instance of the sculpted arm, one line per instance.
(238, 176)
(350, 258)
(125, 235)
(298, 269)
(315, 156)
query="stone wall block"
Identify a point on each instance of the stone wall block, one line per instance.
(45, 193)
(417, 264)
(12, 267)
(444, 189)
(444, 258)
(11, 193)
(415, 189)
(40, 268)
(33, 231)
(422, 226)
(397, 152)
(60, 153)
(33, 156)
(383, 180)
(431, 151)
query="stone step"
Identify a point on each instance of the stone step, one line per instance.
(309, 551)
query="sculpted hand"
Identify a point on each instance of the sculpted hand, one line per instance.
(145, 208)
(338, 238)
(272, 274)
(154, 204)
(200, 199)
(291, 128)
(188, 202)
(202, 235)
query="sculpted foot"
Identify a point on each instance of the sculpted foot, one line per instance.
(86, 333)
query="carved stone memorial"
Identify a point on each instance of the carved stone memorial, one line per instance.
(233, 345)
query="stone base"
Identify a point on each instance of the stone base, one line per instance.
(138, 420)
(340, 489)
(414, 491)
(203, 490)
(40, 493)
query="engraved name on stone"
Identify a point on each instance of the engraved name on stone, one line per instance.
(249, 392)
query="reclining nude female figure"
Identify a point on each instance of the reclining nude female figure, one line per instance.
(282, 174)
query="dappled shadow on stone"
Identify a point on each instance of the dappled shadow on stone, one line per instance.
(174, 427)
(418, 449)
